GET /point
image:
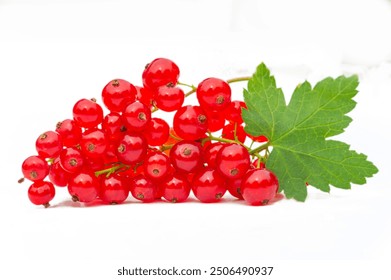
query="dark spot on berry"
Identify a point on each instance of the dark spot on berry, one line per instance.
(155, 171)
(75, 198)
(234, 172)
(187, 152)
(72, 162)
(264, 202)
(90, 147)
(202, 118)
(170, 84)
(146, 66)
(115, 83)
(33, 174)
(46, 205)
(123, 128)
(43, 136)
(142, 117)
(238, 191)
(220, 99)
(140, 196)
(174, 200)
(58, 125)
(218, 195)
(93, 99)
(121, 148)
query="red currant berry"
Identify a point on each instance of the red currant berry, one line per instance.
(233, 187)
(233, 112)
(70, 132)
(229, 132)
(87, 113)
(136, 116)
(58, 175)
(35, 168)
(216, 121)
(160, 72)
(113, 189)
(260, 138)
(233, 161)
(49, 144)
(210, 153)
(71, 160)
(156, 166)
(157, 132)
(186, 156)
(176, 188)
(142, 188)
(93, 143)
(113, 126)
(169, 98)
(132, 149)
(259, 186)
(208, 185)
(190, 122)
(145, 96)
(117, 94)
(84, 187)
(41, 193)
(214, 94)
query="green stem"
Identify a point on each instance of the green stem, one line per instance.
(259, 149)
(111, 170)
(187, 85)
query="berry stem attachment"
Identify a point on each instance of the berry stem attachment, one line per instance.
(113, 169)
(187, 85)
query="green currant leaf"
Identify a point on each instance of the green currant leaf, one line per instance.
(298, 132)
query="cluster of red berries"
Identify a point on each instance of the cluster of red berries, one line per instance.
(105, 157)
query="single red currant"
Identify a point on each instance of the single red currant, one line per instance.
(233, 161)
(210, 153)
(136, 116)
(93, 143)
(214, 94)
(233, 112)
(49, 144)
(58, 175)
(87, 113)
(259, 186)
(35, 168)
(233, 187)
(145, 96)
(132, 149)
(70, 132)
(113, 189)
(169, 98)
(142, 188)
(231, 129)
(160, 72)
(84, 186)
(71, 160)
(113, 126)
(216, 121)
(208, 185)
(157, 132)
(156, 166)
(41, 193)
(190, 122)
(176, 188)
(117, 94)
(186, 156)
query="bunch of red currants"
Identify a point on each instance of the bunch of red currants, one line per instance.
(106, 157)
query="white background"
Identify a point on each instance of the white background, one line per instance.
(53, 53)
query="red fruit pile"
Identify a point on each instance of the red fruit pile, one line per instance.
(106, 157)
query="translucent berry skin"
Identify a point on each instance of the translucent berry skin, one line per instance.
(160, 72)
(186, 156)
(70, 132)
(156, 166)
(113, 190)
(71, 160)
(228, 132)
(233, 112)
(210, 153)
(136, 116)
(145, 96)
(49, 144)
(259, 186)
(176, 188)
(87, 113)
(57, 175)
(113, 126)
(41, 193)
(216, 121)
(35, 168)
(190, 122)
(157, 132)
(234, 187)
(117, 94)
(214, 94)
(233, 161)
(93, 143)
(132, 148)
(142, 188)
(169, 98)
(208, 185)
(84, 186)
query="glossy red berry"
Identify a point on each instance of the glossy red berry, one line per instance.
(136, 116)
(142, 188)
(57, 175)
(176, 188)
(210, 153)
(113, 189)
(160, 72)
(117, 94)
(214, 94)
(230, 129)
(113, 126)
(71, 160)
(145, 96)
(233, 161)
(208, 185)
(233, 112)
(87, 113)
(156, 166)
(35, 168)
(49, 144)
(132, 149)
(169, 98)
(259, 186)
(157, 132)
(234, 187)
(84, 186)
(93, 143)
(186, 156)
(216, 121)
(70, 132)
(190, 122)
(41, 193)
